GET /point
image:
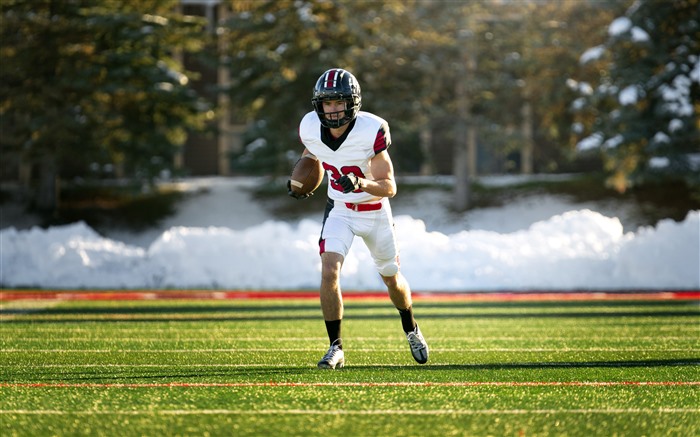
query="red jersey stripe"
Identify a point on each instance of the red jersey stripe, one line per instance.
(380, 143)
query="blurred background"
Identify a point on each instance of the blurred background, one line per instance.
(104, 102)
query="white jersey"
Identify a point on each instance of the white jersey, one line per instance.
(367, 136)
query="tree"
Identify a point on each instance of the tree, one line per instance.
(83, 82)
(277, 50)
(418, 62)
(642, 114)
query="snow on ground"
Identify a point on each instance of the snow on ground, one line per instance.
(223, 240)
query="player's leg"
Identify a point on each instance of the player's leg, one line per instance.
(332, 309)
(380, 239)
(336, 239)
(384, 249)
(398, 288)
(400, 294)
(331, 297)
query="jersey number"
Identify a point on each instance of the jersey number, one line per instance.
(335, 174)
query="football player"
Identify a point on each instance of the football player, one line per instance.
(352, 146)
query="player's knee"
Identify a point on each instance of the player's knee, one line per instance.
(388, 268)
(331, 263)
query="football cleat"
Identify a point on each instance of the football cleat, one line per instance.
(419, 348)
(334, 358)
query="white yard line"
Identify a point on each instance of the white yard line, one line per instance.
(474, 339)
(156, 366)
(285, 366)
(676, 326)
(359, 350)
(357, 384)
(354, 412)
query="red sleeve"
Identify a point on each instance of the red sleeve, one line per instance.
(382, 141)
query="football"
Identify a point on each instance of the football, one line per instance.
(307, 175)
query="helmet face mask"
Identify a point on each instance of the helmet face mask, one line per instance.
(337, 85)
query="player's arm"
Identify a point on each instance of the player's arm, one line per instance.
(383, 184)
(382, 169)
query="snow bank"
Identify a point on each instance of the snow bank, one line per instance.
(576, 250)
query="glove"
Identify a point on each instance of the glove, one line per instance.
(296, 195)
(349, 182)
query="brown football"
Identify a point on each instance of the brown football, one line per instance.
(307, 175)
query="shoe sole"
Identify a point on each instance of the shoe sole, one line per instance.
(328, 366)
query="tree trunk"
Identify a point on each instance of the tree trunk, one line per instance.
(48, 190)
(427, 167)
(526, 152)
(465, 149)
(461, 172)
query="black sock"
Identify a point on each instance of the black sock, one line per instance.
(333, 329)
(407, 321)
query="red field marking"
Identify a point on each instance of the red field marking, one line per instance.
(359, 384)
(13, 295)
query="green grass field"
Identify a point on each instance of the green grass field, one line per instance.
(248, 367)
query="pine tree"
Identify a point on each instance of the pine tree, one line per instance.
(643, 112)
(87, 82)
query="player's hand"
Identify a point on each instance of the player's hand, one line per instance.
(349, 182)
(296, 195)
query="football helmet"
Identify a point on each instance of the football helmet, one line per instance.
(337, 84)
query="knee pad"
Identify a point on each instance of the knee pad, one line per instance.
(388, 267)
